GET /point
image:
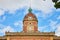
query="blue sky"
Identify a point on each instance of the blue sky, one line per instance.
(12, 13)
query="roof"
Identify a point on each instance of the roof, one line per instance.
(2, 37)
(31, 15)
(32, 33)
(56, 37)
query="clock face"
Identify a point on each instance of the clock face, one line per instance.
(30, 28)
(29, 18)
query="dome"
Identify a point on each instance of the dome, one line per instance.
(30, 16)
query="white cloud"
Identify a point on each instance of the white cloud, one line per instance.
(43, 15)
(4, 29)
(1, 12)
(42, 29)
(1, 26)
(52, 27)
(8, 28)
(57, 30)
(18, 23)
(56, 27)
(53, 24)
(44, 6)
(12, 5)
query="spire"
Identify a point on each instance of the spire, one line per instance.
(30, 10)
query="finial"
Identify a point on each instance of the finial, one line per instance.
(30, 10)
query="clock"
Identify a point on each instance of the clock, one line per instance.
(30, 28)
(29, 18)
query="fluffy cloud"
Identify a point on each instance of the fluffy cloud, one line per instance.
(1, 26)
(57, 30)
(42, 29)
(13, 5)
(1, 12)
(43, 15)
(53, 25)
(19, 23)
(8, 28)
(19, 26)
(49, 28)
(4, 29)
(43, 5)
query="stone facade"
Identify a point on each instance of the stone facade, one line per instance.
(30, 38)
(30, 31)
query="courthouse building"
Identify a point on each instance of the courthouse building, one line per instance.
(30, 31)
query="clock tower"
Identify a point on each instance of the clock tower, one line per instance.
(30, 22)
